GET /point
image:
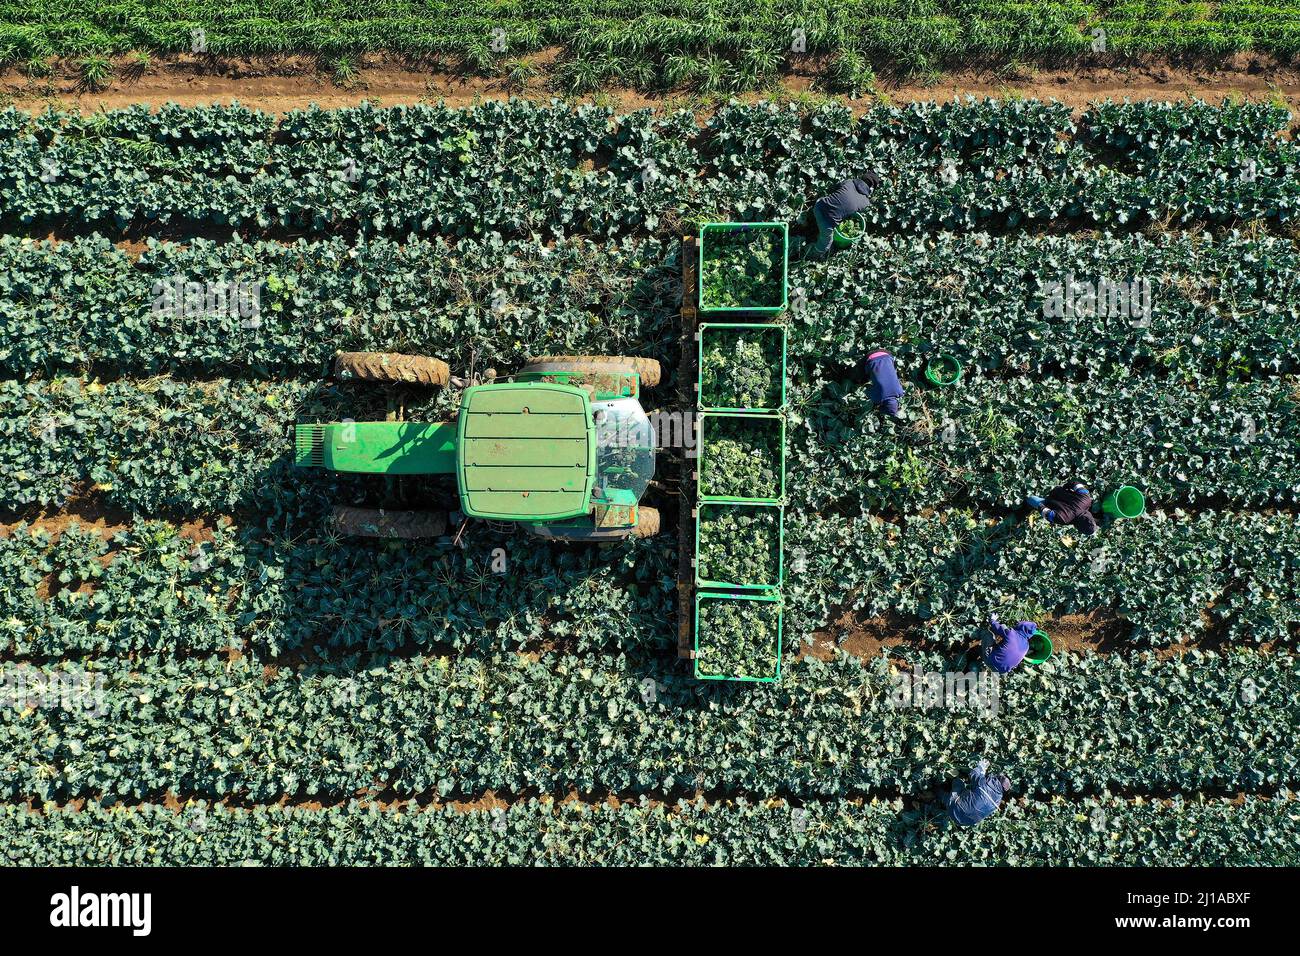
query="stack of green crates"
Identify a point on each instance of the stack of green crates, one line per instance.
(750, 569)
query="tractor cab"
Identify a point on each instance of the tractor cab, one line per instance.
(542, 452)
(625, 452)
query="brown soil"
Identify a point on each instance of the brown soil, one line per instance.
(283, 84)
(198, 531)
(134, 248)
(1098, 631)
(489, 801)
(87, 512)
(862, 637)
(91, 514)
(551, 644)
(1101, 632)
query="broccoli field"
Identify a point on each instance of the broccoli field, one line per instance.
(197, 669)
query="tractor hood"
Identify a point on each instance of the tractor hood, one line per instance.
(526, 451)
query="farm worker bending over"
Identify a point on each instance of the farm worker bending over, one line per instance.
(1005, 647)
(847, 199)
(878, 371)
(969, 803)
(1071, 503)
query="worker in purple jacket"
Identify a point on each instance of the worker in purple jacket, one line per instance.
(969, 803)
(1003, 648)
(1070, 503)
(847, 199)
(878, 372)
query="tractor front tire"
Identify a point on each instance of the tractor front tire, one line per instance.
(648, 369)
(391, 367)
(647, 522)
(377, 523)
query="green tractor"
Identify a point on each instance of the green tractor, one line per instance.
(562, 448)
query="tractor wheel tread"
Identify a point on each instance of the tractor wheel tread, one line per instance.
(647, 522)
(647, 368)
(392, 367)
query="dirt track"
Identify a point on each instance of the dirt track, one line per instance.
(295, 83)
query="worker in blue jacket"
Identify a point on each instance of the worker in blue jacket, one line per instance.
(969, 803)
(847, 199)
(1003, 648)
(879, 373)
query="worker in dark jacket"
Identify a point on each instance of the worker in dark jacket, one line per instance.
(878, 372)
(969, 803)
(1071, 503)
(1005, 647)
(847, 199)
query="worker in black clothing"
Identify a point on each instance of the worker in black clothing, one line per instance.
(847, 199)
(1070, 503)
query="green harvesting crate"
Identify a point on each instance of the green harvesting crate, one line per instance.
(744, 267)
(731, 538)
(726, 450)
(720, 340)
(751, 651)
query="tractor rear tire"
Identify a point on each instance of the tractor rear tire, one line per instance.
(648, 369)
(377, 523)
(391, 367)
(647, 522)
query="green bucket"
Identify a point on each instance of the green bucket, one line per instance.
(943, 370)
(1124, 502)
(1040, 648)
(843, 240)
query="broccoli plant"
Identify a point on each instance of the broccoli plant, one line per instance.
(851, 228)
(741, 368)
(738, 638)
(739, 544)
(741, 457)
(742, 269)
